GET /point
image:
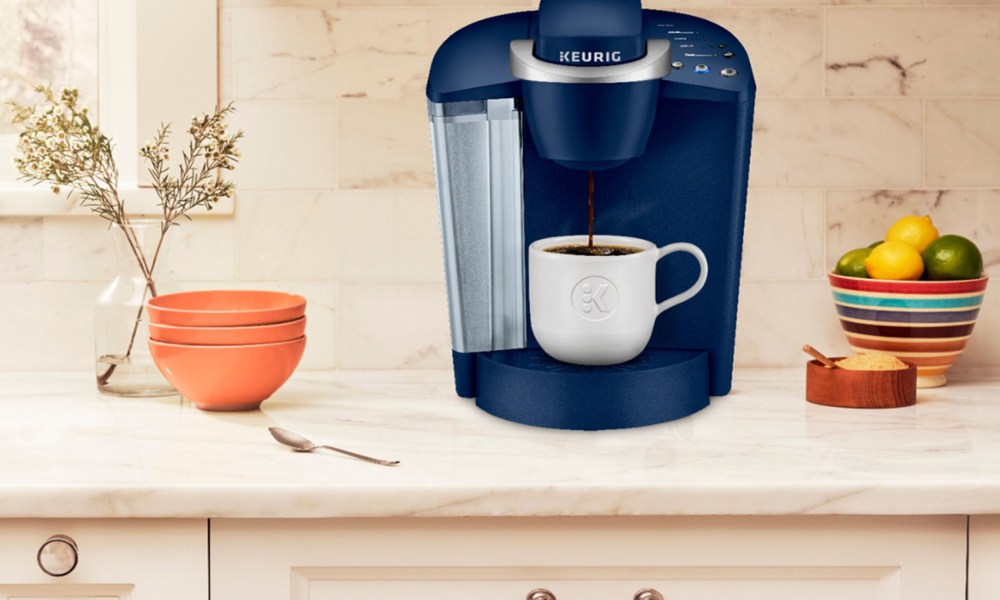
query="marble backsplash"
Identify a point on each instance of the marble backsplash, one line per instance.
(867, 110)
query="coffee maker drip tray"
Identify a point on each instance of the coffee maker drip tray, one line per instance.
(528, 386)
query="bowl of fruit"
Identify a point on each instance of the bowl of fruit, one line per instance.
(915, 294)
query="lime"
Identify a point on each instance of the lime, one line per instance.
(953, 257)
(913, 230)
(852, 264)
(873, 244)
(894, 260)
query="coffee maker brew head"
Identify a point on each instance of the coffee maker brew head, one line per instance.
(578, 120)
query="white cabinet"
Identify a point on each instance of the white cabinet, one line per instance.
(127, 559)
(984, 557)
(596, 558)
(600, 558)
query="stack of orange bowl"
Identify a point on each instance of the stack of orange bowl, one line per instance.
(227, 349)
(925, 323)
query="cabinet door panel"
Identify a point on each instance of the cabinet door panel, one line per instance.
(595, 583)
(689, 558)
(67, 592)
(120, 559)
(984, 557)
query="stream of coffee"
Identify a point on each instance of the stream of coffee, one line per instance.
(590, 249)
(590, 207)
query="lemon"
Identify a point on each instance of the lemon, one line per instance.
(852, 264)
(894, 260)
(915, 231)
(953, 257)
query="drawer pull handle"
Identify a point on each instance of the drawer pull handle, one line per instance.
(58, 556)
(643, 594)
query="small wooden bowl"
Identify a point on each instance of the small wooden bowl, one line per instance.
(860, 389)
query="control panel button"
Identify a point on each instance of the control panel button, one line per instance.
(677, 64)
(727, 72)
(728, 55)
(702, 69)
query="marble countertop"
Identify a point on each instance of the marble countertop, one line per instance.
(69, 452)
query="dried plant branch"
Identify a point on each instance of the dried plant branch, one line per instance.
(199, 180)
(59, 146)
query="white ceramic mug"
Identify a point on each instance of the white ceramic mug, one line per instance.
(599, 310)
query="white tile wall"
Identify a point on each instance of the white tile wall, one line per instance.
(385, 144)
(287, 235)
(290, 145)
(775, 318)
(911, 51)
(402, 324)
(21, 243)
(283, 54)
(77, 249)
(837, 143)
(865, 113)
(49, 325)
(780, 220)
(965, 148)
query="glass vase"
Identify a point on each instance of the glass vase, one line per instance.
(124, 365)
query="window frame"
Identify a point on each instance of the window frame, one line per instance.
(147, 75)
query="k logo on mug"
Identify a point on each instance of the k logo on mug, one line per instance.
(595, 298)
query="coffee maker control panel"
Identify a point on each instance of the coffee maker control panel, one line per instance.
(703, 54)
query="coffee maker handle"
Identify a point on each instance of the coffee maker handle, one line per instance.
(689, 293)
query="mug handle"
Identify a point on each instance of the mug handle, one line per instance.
(689, 293)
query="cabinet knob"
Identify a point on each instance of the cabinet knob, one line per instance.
(58, 555)
(540, 594)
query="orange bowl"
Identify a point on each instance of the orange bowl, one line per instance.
(228, 336)
(227, 377)
(225, 308)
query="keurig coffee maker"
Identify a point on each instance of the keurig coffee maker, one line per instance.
(656, 107)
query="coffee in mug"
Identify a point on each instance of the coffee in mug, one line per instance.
(595, 250)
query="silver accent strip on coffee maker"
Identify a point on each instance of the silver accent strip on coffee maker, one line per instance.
(477, 162)
(655, 65)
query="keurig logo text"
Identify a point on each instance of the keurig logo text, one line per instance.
(590, 57)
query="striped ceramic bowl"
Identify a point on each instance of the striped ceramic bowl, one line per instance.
(926, 323)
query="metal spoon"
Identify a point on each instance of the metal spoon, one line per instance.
(301, 444)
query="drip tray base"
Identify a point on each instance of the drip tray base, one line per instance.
(530, 387)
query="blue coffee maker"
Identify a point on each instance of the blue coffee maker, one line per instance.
(659, 107)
